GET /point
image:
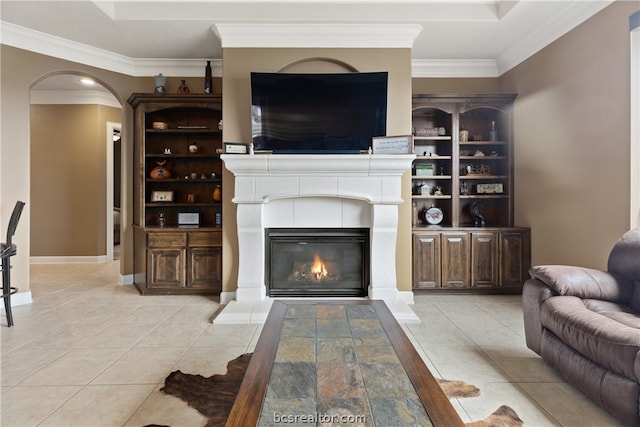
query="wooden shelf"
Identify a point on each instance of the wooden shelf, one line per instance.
(433, 157)
(484, 143)
(432, 138)
(184, 131)
(423, 177)
(421, 197)
(490, 177)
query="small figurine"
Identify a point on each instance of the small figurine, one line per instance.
(464, 188)
(438, 191)
(167, 151)
(477, 212)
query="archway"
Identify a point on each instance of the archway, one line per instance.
(71, 146)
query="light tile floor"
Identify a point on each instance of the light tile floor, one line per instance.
(89, 352)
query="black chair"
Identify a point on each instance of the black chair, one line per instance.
(9, 249)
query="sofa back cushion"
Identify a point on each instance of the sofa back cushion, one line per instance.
(624, 260)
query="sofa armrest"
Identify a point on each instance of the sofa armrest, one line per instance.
(584, 282)
(534, 294)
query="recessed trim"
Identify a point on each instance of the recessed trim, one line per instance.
(574, 14)
(455, 68)
(84, 97)
(316, 35)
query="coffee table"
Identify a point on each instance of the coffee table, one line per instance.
(342, 362)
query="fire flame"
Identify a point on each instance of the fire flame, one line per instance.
(318, 268)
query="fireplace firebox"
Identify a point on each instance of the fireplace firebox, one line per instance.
(319, 262)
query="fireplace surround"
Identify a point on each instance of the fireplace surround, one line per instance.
(303, 191)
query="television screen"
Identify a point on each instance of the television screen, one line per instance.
(317, 113)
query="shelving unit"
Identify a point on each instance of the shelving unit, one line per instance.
(177, 222)
(464, 148)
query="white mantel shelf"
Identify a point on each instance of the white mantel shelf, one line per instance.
(315, 191)
(320, 164)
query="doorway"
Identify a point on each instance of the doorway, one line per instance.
(114, 187)
(72, 169)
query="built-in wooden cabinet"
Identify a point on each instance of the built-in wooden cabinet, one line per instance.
(177, 170)
(464, 169)
(495, 259)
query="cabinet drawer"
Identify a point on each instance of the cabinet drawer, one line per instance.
(205, 239)
(164, 240)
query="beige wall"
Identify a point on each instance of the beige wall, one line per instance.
(19, 71)
(572, 129)
(68, 179)
(237, 65)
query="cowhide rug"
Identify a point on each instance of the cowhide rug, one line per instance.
(213, 396)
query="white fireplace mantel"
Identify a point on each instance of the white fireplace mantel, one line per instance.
(316, 191)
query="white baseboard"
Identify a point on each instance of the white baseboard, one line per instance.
(67, 259)
(227, 297)
(126, 279)
(406, 297)
(21, 298)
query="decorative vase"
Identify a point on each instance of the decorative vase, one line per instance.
(493, 133)
(208, 81)
(183, 89)
(160, 171)
(217, 193)
(161, 82)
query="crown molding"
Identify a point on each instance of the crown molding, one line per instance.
(308, 35)
(57, 47)
(84, 97)
(316, 35)
(454, 68)
(572, 15)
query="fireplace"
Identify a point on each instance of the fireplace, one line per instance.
(319, 262)
(310, 192)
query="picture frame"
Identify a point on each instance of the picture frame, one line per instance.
(236, 148)
(496, 188)
(188, 219)
(400, 144)
(162, 196)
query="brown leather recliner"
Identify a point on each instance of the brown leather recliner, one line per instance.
(585, 324)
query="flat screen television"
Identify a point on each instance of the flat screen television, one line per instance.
(317, 113)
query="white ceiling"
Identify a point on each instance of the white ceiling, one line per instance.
(458, 38)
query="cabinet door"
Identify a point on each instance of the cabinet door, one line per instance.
(166, 268)
(484, 259)
(515, 258)
(426, 261)
(205, 268)
(455, 259)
